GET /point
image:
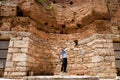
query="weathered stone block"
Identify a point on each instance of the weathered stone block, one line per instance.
(21, 44)
(110, 58)
(24, 50)
(97, 59)
(19, 69)
(11, 43)
(9, 64)
(9, 57)
(19, 57)
(18, 73)
(21, 63)
(13, 50)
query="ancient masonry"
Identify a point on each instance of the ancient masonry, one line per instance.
(32, 51)
(92, 56)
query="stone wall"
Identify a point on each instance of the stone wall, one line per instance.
(40, 58)
(93, 56)
(8, 8)
(17, 58)
(87, 57)
(8, 11)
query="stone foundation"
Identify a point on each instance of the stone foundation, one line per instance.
(29, 55)
(61, 78)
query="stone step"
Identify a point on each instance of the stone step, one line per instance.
(60, 78)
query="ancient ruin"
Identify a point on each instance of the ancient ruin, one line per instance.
(32, 31)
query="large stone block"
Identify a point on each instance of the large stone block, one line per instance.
(11, 43)
(9, 64)
(18, 73)
(21, 63)
(97, 59)
(110, 58)
(21, 44)
(19, 69)
(13, 50)
(19, 57)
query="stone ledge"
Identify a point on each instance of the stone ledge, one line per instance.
(60, 78)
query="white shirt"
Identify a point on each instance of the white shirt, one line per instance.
(63, 53)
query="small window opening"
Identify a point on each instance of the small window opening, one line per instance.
(63, 7)
(118, 27)
(52, 26)
(19, 12)
(71, 3)
(2, 9)
(78, 25)
(72, 20)
(12, 9)
(76, 42)
(62, 32)
(54, 1)
(63, 26)
(46, 23)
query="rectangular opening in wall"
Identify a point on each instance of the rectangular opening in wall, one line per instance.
(117, 56)
(3, 55)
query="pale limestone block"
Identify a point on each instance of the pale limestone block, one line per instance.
(19, 57)
(11, 43)
(5, 73)
(91, 43)
(9, 57)
(10, 69)
(9, 64)
(21, 68)
(97, 59)
(21, 43)
(16, 38)
(113, 75)
(84, 41)
(104, 51)
(110, 58)
(109, 40)
(103, 75)
(97, 45)
(18, 73)
(21, 63)
(13, 50)
(89, 55)
(24, 50)
(76, 49)
(110, 70)
(103, 64)
(96, 41)
(99, 69)
(24, 34)
(109, 45)
(89, 65)
(113, 64)
(26, 38)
